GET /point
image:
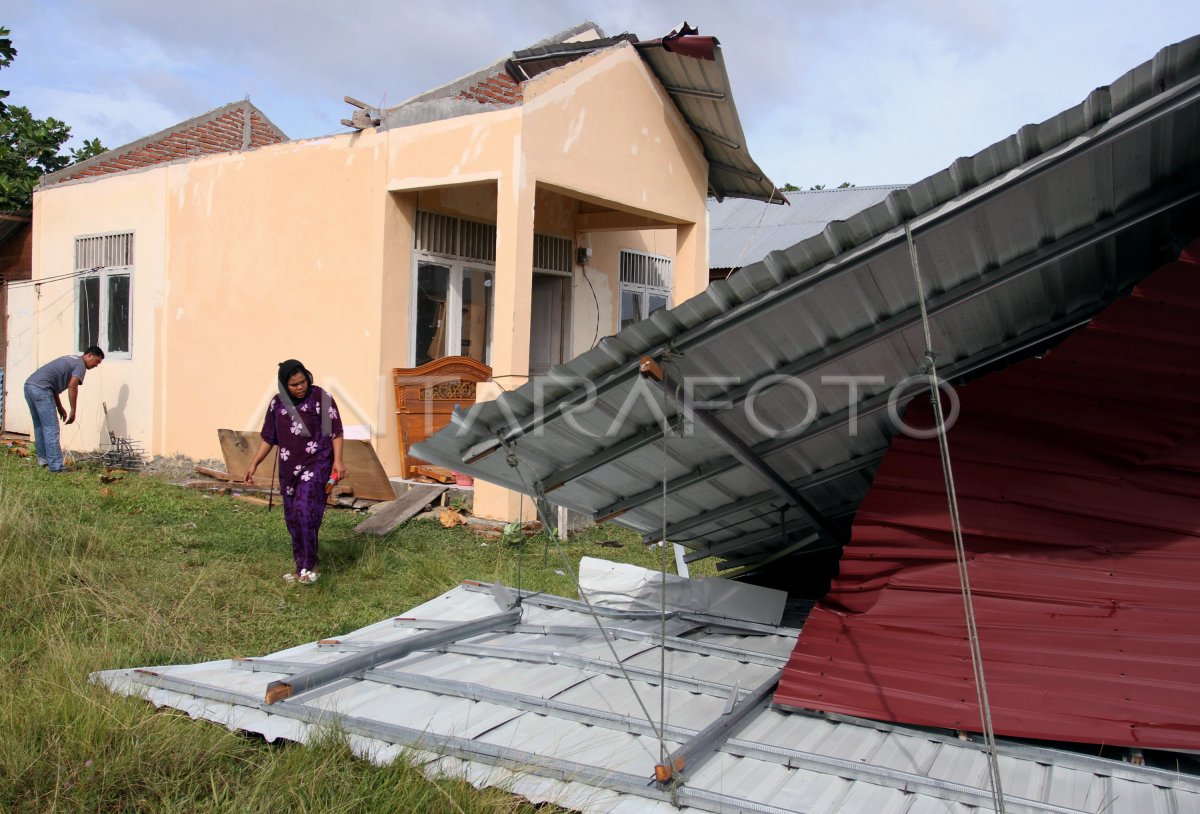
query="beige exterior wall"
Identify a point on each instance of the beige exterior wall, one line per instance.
(305, 250)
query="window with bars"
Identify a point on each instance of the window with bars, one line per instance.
(453, 288)
(453, 292)
(104, 292)
(645, 285)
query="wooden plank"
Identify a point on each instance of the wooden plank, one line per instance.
(400, 509)
(216, 473)
(366, 477)
(260, 501)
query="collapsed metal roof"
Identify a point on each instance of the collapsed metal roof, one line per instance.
(1018, 246)
(533, 700)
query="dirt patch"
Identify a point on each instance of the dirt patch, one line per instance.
(176, 467)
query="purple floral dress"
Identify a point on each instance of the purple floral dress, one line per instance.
(304, 433)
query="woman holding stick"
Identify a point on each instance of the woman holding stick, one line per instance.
(303, 422)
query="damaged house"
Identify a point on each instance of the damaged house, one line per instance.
(512, 218)
(1050, 284)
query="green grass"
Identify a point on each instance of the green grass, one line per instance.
(155, 574)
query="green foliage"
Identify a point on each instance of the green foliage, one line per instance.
(815, 188)
(151, 574)
(29, 147)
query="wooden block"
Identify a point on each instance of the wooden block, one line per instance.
(400, 509)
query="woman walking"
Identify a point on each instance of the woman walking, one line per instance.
(303, 422)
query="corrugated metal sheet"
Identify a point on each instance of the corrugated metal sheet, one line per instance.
(1078, 481)
(741, 232)
(700, 88)
(1018, 246)
(550, 718)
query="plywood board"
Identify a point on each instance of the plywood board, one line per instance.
(365, 473)
(396, 512)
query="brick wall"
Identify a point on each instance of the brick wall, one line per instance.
(497, 89)
(16, 256)
(220, 134)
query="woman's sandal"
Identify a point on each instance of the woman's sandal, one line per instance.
(289, 577)
(307, 577)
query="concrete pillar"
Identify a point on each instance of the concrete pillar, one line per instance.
(510, 337)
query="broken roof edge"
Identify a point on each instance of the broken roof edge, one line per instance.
(451, 88)
(52, 178)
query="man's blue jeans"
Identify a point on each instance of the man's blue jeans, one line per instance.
(45, 425)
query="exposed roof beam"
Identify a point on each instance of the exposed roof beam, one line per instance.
(821, 476)
(651, 370)
(1075, 319)
(753, 176)
(709, 739)
(703, 93)
(717, 137)
(324, 674)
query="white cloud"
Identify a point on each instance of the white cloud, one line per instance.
(828, 90)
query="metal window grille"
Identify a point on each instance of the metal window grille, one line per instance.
(455, 237)
(551, 253)
(104, 251)
(648, 270)
(437, 233)
(477, 241)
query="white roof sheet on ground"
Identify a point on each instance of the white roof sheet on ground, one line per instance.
(550, 717)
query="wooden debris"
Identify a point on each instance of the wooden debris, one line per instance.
(260, 501)
(450, 518)
(402, 508)
(366, 477)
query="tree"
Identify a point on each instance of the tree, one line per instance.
(30, 147)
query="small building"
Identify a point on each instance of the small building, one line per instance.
(514, 216)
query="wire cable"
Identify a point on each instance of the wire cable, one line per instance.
(513, 460)
(960, 555)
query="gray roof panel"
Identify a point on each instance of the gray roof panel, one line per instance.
(587, 746)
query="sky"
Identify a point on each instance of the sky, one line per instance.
(863, 91)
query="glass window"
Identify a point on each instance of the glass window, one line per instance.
(645, 281)
(118, 313)
(433, 286)
(104, 294)
(656, 302)
(89, 312)
(631, 307)
(477, 314)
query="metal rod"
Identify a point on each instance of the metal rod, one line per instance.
(280, 690)
(741, 450)
(711, 737)
(818, 478)
(703, 93)
(841, 418)
(551, 601)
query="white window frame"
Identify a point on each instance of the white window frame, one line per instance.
(453, 300)
(98, 265)
(645, 289)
